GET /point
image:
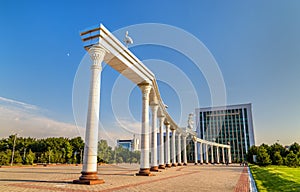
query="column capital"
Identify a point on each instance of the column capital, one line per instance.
(160, 113)
(154, 107)
(172, 128)
(97, 54)
(145, 88)
(167, 123)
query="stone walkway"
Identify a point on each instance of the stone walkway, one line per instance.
(122, 178)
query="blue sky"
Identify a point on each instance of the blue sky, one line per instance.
(256, 45)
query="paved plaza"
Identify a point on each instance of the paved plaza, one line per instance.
(122, 178)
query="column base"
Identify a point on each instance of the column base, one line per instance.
(161, 167)
(174, 164)
(195, 163)
(179, 164)
(168, 165)
(185, 164)
(144, 172)
(89, 178)
(154, 169)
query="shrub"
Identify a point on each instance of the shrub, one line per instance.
(292, 160)
(277, 159)
(263, 158)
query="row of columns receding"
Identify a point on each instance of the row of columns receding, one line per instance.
(168, 156)
(89, 168)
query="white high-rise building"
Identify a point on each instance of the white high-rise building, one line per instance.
(230, 124)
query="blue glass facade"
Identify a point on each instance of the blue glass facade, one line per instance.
(230, 124)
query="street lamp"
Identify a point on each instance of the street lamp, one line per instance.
(13, 151)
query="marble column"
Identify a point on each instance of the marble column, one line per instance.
(89, 168)
(229, 155)
(184, 151)
(161, 141)
(168, 162)
(144, 162)
(212, 154)
(223, 155)
(195, 152)
(154, 166)
(173, 148)
(179, 149)
(201, 154)
(218, 156)
(206, 153)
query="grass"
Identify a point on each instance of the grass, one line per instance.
(276, 178)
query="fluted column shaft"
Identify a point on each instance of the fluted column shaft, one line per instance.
(195, 152)
(223, 155)
(89, 168)
(184, 151)
(154, 166)
(218, 156)
(212, 154)
(201, 154)
(206, 153)
(229, 155)
(173, 150)
(144, 162)
(168, 163)
(161, 141)
(179, 149)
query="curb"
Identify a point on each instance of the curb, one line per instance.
(251, 182)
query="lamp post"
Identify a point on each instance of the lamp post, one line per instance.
(13, 151)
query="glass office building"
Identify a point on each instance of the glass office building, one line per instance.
(227, 125)
(130, 144)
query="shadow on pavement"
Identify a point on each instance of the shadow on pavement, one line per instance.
(35, 181)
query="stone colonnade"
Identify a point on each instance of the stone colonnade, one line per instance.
(167, 151)
(216, 155)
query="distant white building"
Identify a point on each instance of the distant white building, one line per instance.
(130, 144)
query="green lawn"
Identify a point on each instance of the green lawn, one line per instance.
(276, 178)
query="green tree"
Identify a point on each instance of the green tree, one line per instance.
(104, 151)
(68, 151)
(30, 157)
(263, 158)
(5, 157)
(134, 160)
(78, 146)
(277, 158)
(18, 158)
(292, 160)
(275, 149)
(119, 159)
(295, 147)
(252, 151)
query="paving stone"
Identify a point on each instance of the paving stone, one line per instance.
(122, 178)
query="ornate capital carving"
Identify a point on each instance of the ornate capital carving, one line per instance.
(160, 113)
(97, 55)
(145, 88)
(167, 123)
(173, 128)
(154, 108)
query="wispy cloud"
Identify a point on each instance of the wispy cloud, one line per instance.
(16, 117)
(28, 120)
(7, 102)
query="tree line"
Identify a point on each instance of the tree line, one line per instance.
(275, 154)
(28, 151)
